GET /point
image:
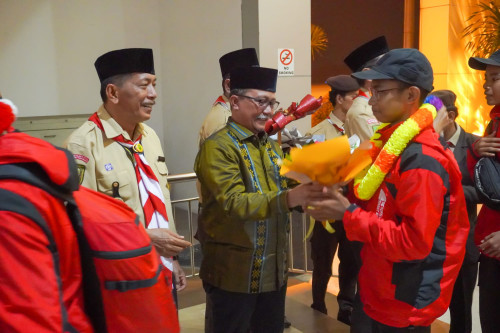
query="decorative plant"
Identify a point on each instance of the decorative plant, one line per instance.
(322, 113)
(484, 29)
(319, 40)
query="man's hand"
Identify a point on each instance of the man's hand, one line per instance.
(487, 146)
(331, 207)
(302, 193)
(167, 242)
(442, 120)
(180, 276)
(490, 245)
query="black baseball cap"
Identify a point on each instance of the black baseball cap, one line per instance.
(481, 63)
(259, 78)
(405, 65)
(125, 61)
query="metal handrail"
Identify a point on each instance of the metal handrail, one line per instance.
(178, 178)
(181, 177)
(184, 200)
(184, 177)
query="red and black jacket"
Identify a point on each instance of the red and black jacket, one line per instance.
(40, 270)
(57, 240)
(488, 219)
(414, 231)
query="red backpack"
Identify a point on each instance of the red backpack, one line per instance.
(125, 289)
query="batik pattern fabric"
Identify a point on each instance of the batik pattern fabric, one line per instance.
(243, 226)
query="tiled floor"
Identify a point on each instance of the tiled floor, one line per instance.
(303, 318)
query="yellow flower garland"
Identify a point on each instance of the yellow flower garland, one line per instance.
(366, 186)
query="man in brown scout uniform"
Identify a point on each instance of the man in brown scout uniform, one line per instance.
(118, 155)
(324, 244)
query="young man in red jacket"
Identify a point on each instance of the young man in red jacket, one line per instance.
(408, 207)
(487, 233)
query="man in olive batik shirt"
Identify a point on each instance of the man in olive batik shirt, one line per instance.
(243, 227)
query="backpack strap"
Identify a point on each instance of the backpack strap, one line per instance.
(12, 202)
(33, 174)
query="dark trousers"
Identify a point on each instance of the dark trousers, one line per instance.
(241, 312)
(360, 322)
(323, 248)
(381, 328)
(489, 294)
(461, 299)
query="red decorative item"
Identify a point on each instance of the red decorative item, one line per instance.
(495, 126)
(295, 111)
(7, 116)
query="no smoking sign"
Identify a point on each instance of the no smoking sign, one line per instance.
(286, 60)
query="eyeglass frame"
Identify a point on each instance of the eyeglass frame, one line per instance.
(376, 93)
(259, 101)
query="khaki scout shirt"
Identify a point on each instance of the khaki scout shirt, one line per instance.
(102, 161)
(331, 127)
(360, 119)
(215, 119)
(243, 227)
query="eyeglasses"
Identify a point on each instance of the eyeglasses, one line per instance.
(379, 93)
(262, 102)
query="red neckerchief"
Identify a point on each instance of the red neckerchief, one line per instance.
(220, 100)
(338, 128)
(153, 203)
(362, 94)
(120, 138)
(155, 211)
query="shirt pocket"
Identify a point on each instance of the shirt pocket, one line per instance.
(162, 168)
(124, 191)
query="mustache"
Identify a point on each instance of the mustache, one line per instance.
(262, 117)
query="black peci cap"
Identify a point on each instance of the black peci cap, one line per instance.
(125, 61)
(259, 78)
(481, 63)
(358, 58)
(405, 65)
(239, 58)
(342, 83)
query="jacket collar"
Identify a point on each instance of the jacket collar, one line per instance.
(241, 132)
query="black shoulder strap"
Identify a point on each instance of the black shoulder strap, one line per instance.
(33, 174)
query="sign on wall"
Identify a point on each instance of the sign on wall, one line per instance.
(286, 60)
